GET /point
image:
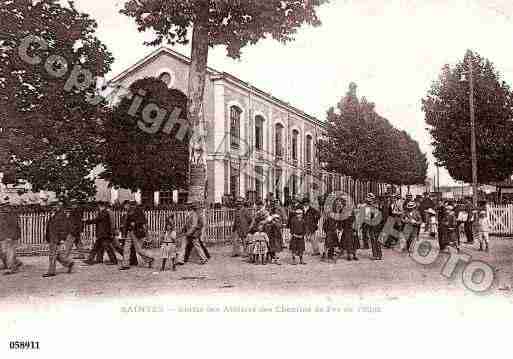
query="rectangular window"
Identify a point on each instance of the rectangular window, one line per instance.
(235, 113)
(234, 182)
(259, 133)
(259, 183)
(279, 141)
(295, 135)
(309, 150)
(294, 185)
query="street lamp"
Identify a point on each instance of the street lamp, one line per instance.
(472, 129)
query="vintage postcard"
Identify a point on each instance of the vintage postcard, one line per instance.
(255, 177)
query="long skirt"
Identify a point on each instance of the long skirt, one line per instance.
(349, 242)
(297, 245)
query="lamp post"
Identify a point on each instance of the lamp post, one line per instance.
(473, 150)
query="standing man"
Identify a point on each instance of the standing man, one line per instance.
(240, 228)
(135, 227)
(412, 220)
(59, 231)
(103, 237)
(426, 204)
(10, 234)
(370, 229)
(312, 217)
(193, 230)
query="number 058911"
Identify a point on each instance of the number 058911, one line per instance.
(24, 345)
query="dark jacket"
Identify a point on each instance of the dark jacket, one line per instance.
(312, 217)
(297, 226)
(103, 224)
(273, 231)
(135, 221)
(59, 227)
(241, 222)
(9, 224)
(330, 227)
(77, 226)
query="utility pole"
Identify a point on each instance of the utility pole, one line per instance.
(473, 133)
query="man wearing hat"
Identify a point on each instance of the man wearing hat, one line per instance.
(370, 229)
(412, 220)
(297, 232)
(10, 234)
(103, 237)
(193, 231)
(426, 204)
(366, 211)
(59, 232)
(240, 228)
(135, 228)
(312, 217)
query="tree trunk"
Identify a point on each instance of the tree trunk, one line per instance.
(197, 78)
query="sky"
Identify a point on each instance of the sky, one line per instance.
(392, 49)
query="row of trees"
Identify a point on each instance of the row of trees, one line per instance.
(362, 144)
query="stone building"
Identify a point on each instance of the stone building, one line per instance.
(257, 144)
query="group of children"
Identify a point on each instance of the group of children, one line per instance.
(265, 242)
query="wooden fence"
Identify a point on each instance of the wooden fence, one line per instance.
(501, 219)
(218, 229)
(33, 227)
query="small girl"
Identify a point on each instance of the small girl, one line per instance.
(483, 230)
(261, 244)
(169, 244)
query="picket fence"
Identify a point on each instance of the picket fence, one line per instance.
(218, 229)
(33, 227)
(500, 218)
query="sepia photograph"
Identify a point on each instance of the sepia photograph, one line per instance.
(326, 177)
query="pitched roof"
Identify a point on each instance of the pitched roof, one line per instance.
(215, 75)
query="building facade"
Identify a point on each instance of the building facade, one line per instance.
(256, 144)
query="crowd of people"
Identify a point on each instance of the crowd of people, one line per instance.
(257, 231)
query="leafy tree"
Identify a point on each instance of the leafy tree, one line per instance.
(233, 24)
(138, 156)
(362, 144)
(447, 113)
(52, 116)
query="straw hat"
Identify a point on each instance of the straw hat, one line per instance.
(371, 197)
(411, 205)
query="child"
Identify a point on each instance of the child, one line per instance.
(261, 244)
(483, 230)
(250, 245)
(273, 230)
(169, 245)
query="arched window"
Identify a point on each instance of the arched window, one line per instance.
(235, 114)
(295, 144)
(259, 132)
(278, 140)
(309, 149)
(165, 77)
